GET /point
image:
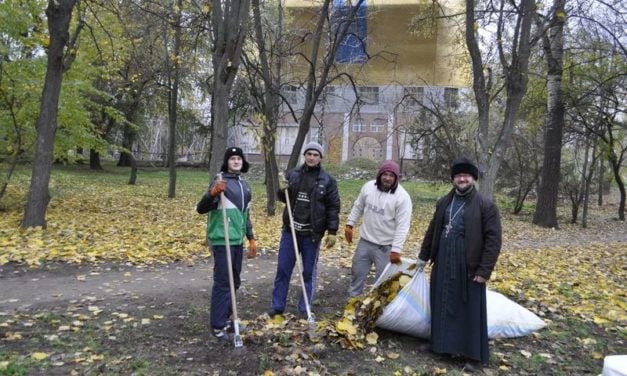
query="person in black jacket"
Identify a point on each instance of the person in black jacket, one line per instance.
(463, 242)
(315, 204)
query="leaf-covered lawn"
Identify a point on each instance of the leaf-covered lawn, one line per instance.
(569, 277)
(96, 216)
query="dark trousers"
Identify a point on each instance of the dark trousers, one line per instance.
(308, 247)
(221, 292)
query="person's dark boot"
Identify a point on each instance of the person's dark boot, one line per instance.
(472, 367)
(221, 334)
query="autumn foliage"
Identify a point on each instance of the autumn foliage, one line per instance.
(97, 217)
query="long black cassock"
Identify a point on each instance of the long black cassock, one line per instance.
(458, 305)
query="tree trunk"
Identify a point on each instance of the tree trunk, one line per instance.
(128, 139)
(173, 93)
(7, 176)
(219, 125)
(480, 87)
(17, 146)
(130, 133)
(132, 179)
(548, 191)
(272, 173)
(493, 145)
(229, 24)
(269, 102)
(601, 184)
(94, 160)
(59, 13)
(616, 166)
(588, 173)
(574, 208)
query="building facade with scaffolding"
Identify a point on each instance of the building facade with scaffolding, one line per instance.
(402, 56)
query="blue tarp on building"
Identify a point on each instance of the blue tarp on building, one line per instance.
(352, 49)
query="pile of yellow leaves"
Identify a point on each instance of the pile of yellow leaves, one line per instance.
(355, 328)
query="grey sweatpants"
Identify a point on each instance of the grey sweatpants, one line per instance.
(366, 254)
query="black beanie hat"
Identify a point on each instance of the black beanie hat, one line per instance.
(464, 165)
(231, 151)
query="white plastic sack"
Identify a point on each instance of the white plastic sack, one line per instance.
(410, 311)
(508, 319)
(615, 365)
(391, 269)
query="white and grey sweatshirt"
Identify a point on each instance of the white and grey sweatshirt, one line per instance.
(386, 215)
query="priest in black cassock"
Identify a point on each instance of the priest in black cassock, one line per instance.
(463, 242)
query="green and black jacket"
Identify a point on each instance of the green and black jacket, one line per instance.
(237, 200)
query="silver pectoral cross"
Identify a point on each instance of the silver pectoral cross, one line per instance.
(448, 228)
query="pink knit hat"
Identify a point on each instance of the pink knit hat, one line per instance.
(389, 166)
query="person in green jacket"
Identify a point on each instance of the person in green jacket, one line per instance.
(237, 196)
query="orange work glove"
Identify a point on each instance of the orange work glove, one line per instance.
(395, 257)
(219, 187)
(348, 233)
(252, 248)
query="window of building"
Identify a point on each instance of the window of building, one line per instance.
(290, 92)
(331, 96)
(451, 97)
(412, 96)
(352, 49)
(286, 139)
(369, 95)
(359, 127)
(375, 126)
(378, 126)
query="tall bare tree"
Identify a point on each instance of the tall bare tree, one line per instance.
(514, 21)
(61, 54)
(553, 46)
(264, 75)
(173, 70)
(229, 25)
(319, 67)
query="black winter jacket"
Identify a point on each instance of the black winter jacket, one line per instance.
(482, 233)
(324, 204)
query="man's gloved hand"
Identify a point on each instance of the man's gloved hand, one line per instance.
(348, 233)
(421, 264)
(329, 241)
(252, 248)
(283, 185)
(395, 257)
(218, 187)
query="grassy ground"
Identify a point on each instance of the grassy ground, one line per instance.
(100, 227)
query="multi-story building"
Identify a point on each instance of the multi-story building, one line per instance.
(396, 67)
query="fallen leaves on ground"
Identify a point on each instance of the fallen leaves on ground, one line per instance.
(89, 222)
(587, 281)
(355, 329)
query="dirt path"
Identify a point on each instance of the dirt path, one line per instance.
(23, 288)
(124, 319)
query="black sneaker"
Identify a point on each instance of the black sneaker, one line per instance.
(222, 334)
(273, 313)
